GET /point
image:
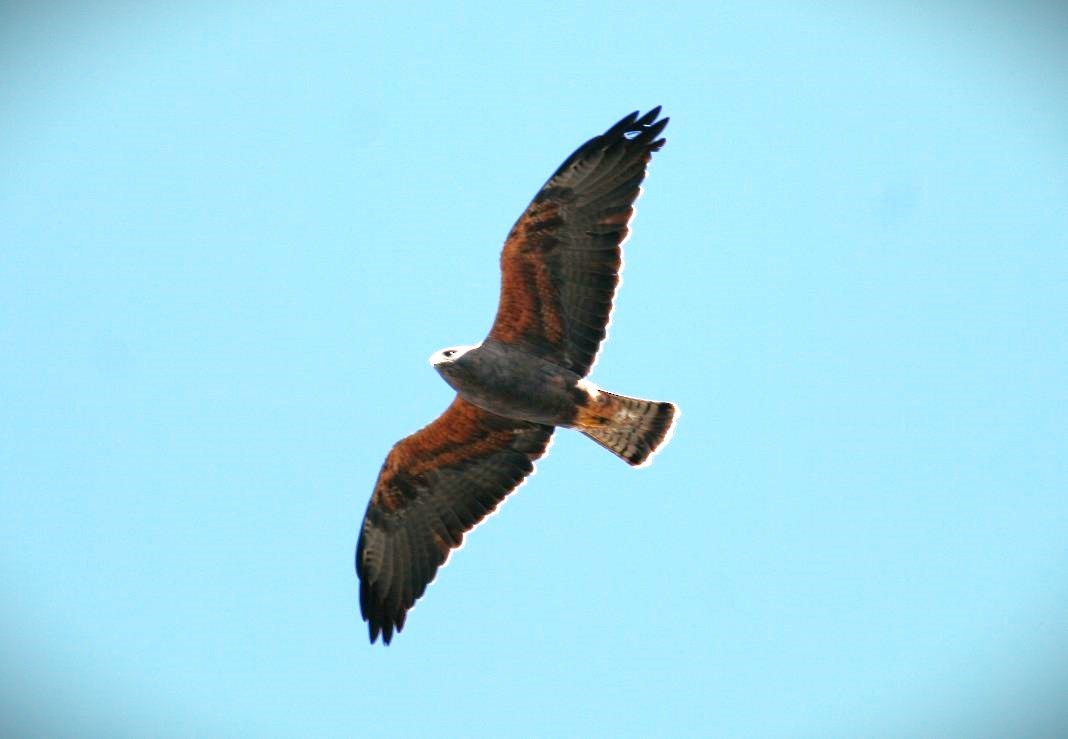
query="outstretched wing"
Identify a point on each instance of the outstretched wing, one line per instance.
(561, 260)
(436, 485)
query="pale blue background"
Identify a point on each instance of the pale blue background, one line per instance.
(231, 236)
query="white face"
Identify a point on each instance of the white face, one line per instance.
(450, 355)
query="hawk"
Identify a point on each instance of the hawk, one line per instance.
(559, 270)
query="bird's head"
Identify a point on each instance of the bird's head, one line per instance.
(444, 357)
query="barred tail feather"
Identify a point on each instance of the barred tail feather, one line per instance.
(630, 428)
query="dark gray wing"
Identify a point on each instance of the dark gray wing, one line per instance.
(560, 263)
(436, 485)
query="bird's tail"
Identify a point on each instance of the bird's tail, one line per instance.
(630, 428)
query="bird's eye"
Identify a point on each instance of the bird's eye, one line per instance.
(449, 352)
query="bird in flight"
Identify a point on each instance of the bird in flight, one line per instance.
(559, 270)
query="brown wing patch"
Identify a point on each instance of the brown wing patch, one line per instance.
(560, 263)
(529, 307)
(434, 486)
(458, 435)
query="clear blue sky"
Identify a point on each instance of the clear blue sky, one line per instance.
(232, 235)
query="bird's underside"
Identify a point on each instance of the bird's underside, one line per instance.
(560, 268)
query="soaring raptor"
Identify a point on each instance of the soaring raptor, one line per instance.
(559, 270)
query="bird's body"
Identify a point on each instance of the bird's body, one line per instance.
(560, 268)
(511, 382)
